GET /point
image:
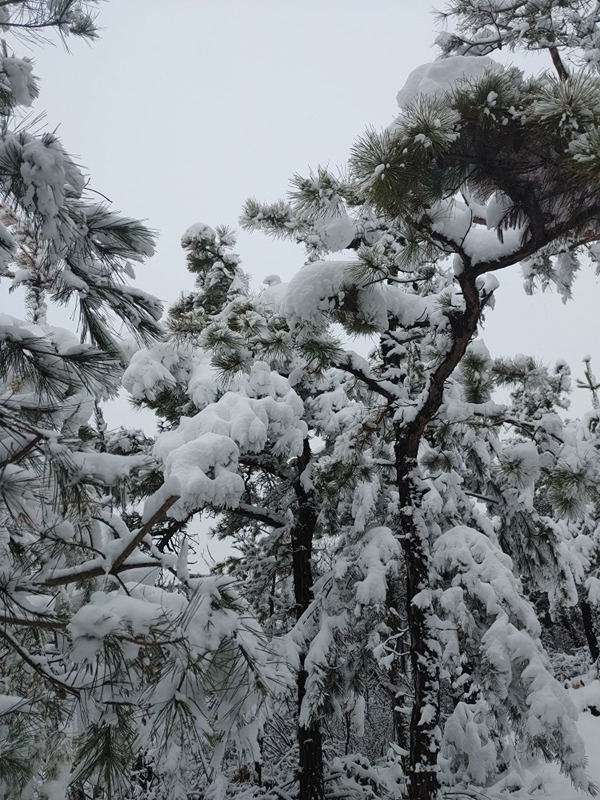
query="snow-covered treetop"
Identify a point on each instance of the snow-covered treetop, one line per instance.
(569, 30)
(438, 77)
(455, 165)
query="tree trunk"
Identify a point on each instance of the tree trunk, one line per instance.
(310, 752)
(311, 784)
(424, 739)
(398, 672)
(588, 627)
(421, 767)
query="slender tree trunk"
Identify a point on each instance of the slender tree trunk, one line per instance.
(588, 627)
(310, 744)
(398, 673)
(424, 737)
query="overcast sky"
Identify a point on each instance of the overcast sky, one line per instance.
(185, 108)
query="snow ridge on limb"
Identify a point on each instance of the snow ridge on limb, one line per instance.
(201, 455)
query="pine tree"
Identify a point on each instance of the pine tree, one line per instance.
(489, 171)
(221, 330)
(112, 656)
(397, 530)
(470, 452)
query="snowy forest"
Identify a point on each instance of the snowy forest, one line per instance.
(408, 607)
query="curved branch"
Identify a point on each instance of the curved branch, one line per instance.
(372, 383)
(36, 666)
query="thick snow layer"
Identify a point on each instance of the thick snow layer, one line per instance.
(496, 209)
(481, 244)
(197, 233)
(19, 72)
(336, 233)
(409, 309)
(109, 613)
(201, 454)
(320, 286)
(49, 176)
(163, 366)
(437, 77)
(107, 467)
(559, 787)
(377, 558)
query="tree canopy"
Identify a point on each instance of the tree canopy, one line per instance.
(413, 570)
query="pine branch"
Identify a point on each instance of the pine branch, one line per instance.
(347, 365)
(40, 622)
(260, 514)
(24, 451)
(36, 665)
(98, 567)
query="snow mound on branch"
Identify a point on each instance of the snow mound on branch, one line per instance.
(206, 472)
(336, 233)
(201, 454)
(482, 570)
(107, 467)
(377, 558)
(19, 76)
(160, 368)
(109, 613)
(198, 233)
(322, 286)
(411, 308)
(438, 77)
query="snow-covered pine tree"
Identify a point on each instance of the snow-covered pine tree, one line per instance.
(228, 367)
(484, 169)
(244, 328)
(104, 674)
(418, 491)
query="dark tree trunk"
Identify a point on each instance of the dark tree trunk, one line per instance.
(423, 745)
(421, 767)
(310, 745)
(311, 785)
(588, 627)
(398, 672)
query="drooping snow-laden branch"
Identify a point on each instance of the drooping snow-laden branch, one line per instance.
(36, 665)
(101, 566)
(362, 373)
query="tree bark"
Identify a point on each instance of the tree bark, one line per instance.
(588, 627)
(398, 668)
(424, 733)
(424, 737)
(311, 784)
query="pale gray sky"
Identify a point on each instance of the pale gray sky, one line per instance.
(185, 108)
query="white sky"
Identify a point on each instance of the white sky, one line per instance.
(185, 108)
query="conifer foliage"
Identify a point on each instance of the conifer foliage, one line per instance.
(443, 518)
(83, 709)
(397, 534)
